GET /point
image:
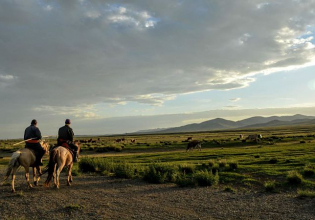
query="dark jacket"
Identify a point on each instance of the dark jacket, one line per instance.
(65, 133)
(32, 132)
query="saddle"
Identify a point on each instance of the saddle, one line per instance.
(66, 145)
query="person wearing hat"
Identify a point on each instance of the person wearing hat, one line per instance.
(32, 136)
(66, 135)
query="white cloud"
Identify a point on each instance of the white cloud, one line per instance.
(83, 111)
(262, 5)
(7, 80)
(48, 8)
(235, 99)
(92, 14)
(7, 77)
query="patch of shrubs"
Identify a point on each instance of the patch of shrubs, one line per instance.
(308, 170)
(95, 165)
(186, 169)
(212, 163)
(306, 193)
(206, 178)
(107, 149)
(125, 170)
(186, 181)
(222, 163)
(200, 178)
(273, 160)
(233, 165)
(160, 173)
(229, 189)
(270, 186)
(294, 177)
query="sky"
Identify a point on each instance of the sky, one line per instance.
(123, 66)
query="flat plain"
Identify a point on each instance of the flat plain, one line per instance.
(153, 177)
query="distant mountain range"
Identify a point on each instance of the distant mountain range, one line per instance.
(223, 124)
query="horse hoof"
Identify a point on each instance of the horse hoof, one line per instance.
(35, 183)
(13, 190)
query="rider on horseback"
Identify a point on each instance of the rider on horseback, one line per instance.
(32, 138)
(65, 135)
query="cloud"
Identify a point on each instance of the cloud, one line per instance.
(7, 80)
(67, 54)
(84, 111)
(231, 107)
(235, 99)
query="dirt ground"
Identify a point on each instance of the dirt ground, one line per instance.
(99, 197)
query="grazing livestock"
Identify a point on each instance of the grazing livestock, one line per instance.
(189, 139)
(133, 140)
(194, 144)
(118, 140)
(254, 137)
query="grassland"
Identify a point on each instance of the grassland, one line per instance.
(261, 165)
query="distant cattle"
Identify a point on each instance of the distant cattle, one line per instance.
(188, 139)
(241, 136)
(133, 140)
(194, 144)
(254, 137)
(119, 140)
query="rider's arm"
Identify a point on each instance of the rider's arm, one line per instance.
(38, 134)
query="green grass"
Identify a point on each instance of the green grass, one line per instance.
(240, 163)
(306, 193)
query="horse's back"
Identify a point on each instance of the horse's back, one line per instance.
(61, 154)
(25, 156)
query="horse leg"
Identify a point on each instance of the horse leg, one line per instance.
(39, 173)
(69, 179)
(35, 177)
(54, 175)
(13, 178)
(27, 177)
(58, 174)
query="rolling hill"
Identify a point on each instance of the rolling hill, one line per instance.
(253, 122)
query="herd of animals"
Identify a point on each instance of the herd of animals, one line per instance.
(192, 144)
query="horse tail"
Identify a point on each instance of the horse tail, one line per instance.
(14, 162)
(50, 168)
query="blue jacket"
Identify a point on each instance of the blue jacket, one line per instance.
(32, 132)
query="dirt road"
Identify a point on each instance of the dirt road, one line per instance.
(99, 197)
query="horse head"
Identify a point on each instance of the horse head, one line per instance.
(77, 143)
(45, 145)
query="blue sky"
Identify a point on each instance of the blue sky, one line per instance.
(122, 66)
(295, 88)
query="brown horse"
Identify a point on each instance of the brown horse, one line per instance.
(59, 158)
(26, 158)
